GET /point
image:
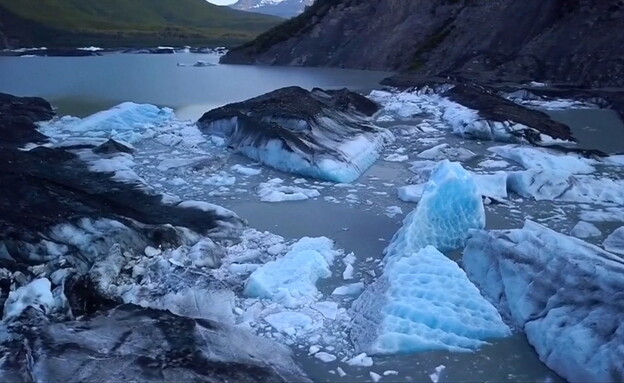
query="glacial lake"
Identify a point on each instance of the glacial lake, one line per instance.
(81, 86)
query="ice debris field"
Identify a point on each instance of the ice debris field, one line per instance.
(438, 189)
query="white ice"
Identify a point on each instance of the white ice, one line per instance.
(545, 159)
(411, 193)
(37, 294)
(585, 230)
(424, 301)
(563, 292)
(615, 241)
(291, 280)
(274, 190)
(451, 204)
(446, 151)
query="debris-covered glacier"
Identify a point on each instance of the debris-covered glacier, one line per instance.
(564, 293)
(321, 134)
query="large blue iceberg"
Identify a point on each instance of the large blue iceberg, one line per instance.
(566, 294)
(423, 301)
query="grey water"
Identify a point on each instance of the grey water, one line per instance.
(80, 86)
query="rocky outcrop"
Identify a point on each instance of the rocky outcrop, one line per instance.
(565, 41)
(18, 116)
(134, 344)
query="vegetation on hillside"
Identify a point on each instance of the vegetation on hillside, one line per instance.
(67, 23)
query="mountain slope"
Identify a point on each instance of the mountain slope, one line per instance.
(568, 41)
(69, 23)
(281, 8)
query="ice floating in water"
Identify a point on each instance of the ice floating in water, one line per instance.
(291, 280)
(564, 186)
(320, 134)
(446, 151)
(240, 169)
(411, 193)
(545, 159)
(396, 158)
(585, 230)
(37, 294)
(563, 292)
(451, 205)
(492, 185)
(127, 121)
(424, 301)
(274, 191)
(291, 323)
(615, 241)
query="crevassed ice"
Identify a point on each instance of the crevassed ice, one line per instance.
(424, 301)
(451, 204)
(564, 293)
(291, 280)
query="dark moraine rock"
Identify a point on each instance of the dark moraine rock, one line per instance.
(323, 133)
(130, 343)
(18, 116)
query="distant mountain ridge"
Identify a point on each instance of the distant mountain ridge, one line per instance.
(127, 23)
(575, 42)
(281, 8)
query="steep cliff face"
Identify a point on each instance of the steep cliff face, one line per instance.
(567, 41)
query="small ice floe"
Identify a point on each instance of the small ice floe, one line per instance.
(274, 191)
(615, 241)
(585, 230)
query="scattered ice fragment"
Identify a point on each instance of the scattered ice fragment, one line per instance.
(435, 375)
(585, 230)
(446, 152)
(361, 360)
(393, 211)
(290, 322)
(245, 170)
(291, 280)
(152, 252)
(313, 350)
(274, 191)
(396, 158)
(328, 309)
(390, 372)
(220, 179)
(374, 376)
(496, 164)
(348, 272)
(351, 289)
(411, 193)
(615, 241)
(341, 372)
(37, 294)
(423, 301)
(492, 185)
(451, 205)
(543, 158)
(325, 357)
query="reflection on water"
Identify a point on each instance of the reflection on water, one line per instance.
(81, 86)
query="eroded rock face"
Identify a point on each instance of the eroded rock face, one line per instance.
(130, 343)
(323, 133)
(567, 41)
(18, 116)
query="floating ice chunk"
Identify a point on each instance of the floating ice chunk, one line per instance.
(291, 280)
(313, 350)
(402, 106)
(126, 121)
(361, 360)
(393, 211)
(396, 158)
(37, 294)
(174, 163)
(585, 230)
(246, 171)
(341, 372)
(411, 193)
(390, 372)
(451, 205)
(543, 184)
(446, 152)
(291, 323)
(325, 357)
(348, 272)
(435, 375)
(547, 159)
(495, 164)
(615, 241)
(492, 185)
(350, 289)
(328, 309)
(610, 214)
(423, 301)
(274, 191)
(220, 179)
(375, 377)
(563, 292)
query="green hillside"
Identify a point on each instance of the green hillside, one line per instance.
(69, 23)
